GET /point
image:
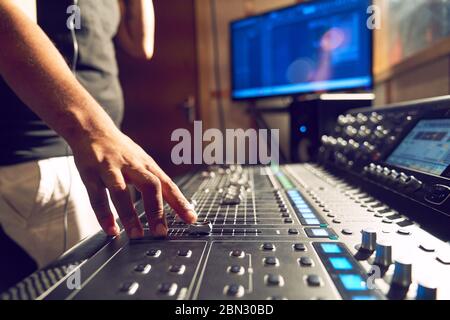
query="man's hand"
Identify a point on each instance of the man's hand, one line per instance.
(110, 161)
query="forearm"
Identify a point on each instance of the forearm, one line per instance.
(38, 74)
(137, 28)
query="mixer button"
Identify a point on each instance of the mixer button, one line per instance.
(300, 247)
(271, 261)
(353, 282)
(234, 290)
(143, 268)
(306, 262)
(186, 253)
(237, 253)
(154, 253)
(268, 247)
(293, 231)
(177, 268)
(168, 289)
(404, 232)
(285, 215)
(395, 216)
(427, 247)
(288, 220)
(444, 259)
(130, 288)
(347, 232)
(330, 215)
(337, 221)
(313, 280)
(405, 223)
(387, 221)
(236, 270)
(275, 280)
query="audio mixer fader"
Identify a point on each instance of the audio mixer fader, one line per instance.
(369, 221)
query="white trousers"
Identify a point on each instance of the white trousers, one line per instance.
(32, 207)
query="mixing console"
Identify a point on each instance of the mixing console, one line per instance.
(370, 221)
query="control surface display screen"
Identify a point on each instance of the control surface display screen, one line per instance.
(426, 148)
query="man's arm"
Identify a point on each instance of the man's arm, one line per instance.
(106, 158)
(136, 32)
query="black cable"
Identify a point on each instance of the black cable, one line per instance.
(217, 72)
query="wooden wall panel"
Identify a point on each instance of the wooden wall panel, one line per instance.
(429, 80)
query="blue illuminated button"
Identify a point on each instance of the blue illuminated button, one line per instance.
(364, 298)
(330, 248)
(317, 232)
(340, 263)
(308, 215)
(353, 282)
(320, 232)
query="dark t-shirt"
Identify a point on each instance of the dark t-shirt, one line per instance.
(25, 137)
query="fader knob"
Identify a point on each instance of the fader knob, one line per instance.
(369, 240)
(383, 256)
(426, 293)
(402, 274)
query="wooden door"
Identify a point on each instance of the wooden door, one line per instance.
(157, 92)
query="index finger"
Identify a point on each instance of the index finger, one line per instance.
(173, 195)
(175, 198)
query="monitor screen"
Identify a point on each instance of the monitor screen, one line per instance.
(311, 47)
(426, 148)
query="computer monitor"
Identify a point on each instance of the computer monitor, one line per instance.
(316, 46)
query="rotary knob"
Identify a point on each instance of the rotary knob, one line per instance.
(402, 274)
(401, 280)
(383, 256)
(367, 246)
(414, 184)
(369, 240)
(426, 292)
